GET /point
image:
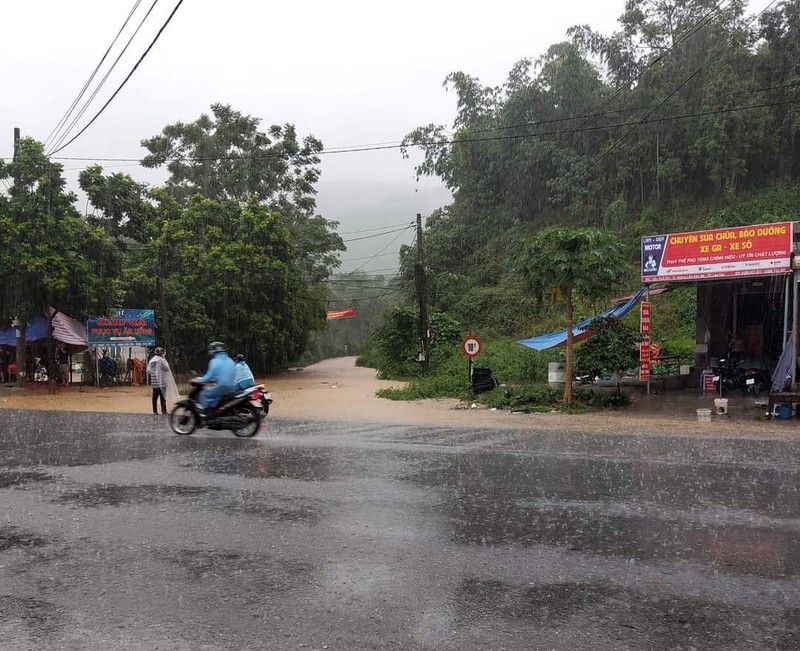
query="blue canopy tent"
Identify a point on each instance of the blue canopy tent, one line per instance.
(581, 330)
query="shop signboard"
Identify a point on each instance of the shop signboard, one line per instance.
(720, 253)
(644, 359)
(644, 317)
(125, 328)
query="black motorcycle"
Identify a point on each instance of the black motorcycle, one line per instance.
(732, 375)
(234, 413)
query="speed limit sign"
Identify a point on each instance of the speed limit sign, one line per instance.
(471, 346)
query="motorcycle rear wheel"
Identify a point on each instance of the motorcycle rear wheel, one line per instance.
(182, 420)
(247, 416)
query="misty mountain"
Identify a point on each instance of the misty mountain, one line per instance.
(358, 206)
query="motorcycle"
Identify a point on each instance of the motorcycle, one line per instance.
(235, 413)
(732, 375)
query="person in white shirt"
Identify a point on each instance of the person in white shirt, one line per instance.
(160, 377)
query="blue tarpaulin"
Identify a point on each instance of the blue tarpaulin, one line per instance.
(36, 330)
(581, 330)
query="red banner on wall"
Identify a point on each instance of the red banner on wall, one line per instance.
(723, 252)
(349, 313)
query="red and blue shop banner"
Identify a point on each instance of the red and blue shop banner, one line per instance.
(720, 253)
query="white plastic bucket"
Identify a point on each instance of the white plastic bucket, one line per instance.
(704, 415)
(556, 373)
(721, 406)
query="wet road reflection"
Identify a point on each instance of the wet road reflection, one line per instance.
(115, 533)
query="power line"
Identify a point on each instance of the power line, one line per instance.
(369, 237)
(365, 257)
(124, 81)
(69, 111)
(102, 83)
(371, 230)
(397, 237)
(461, 140)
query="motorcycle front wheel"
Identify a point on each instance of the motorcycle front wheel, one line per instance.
(182, 420)
(247, 421)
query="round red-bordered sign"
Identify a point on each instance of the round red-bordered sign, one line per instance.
(471, 346)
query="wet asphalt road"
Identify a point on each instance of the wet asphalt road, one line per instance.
(115, 534)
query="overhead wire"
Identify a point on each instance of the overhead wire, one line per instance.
(369, 237)
(394, 239)
(57, 142)
(461, 140)
(370, 230)
(124, 81)
(80, 95)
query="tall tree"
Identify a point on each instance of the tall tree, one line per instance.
(225, 156)
(49, 255)
(565, 262)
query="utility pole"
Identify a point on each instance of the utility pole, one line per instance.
(162, 298)
(422, 296)
(19, 326)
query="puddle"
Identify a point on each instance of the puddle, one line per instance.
(245, 502)
(12, 538)
(254, 573)
(496, 499)
(120, 495)
(634, 618)
(10, 478)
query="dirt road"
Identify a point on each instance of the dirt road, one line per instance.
(336, 389)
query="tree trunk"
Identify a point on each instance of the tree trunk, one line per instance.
(568, 370)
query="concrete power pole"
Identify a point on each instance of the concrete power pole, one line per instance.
(422, 296)
(19, 325)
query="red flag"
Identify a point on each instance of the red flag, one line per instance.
(348, 313)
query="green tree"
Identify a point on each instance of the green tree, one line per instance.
(611, 348)
(565, 262)
(49, 255)
(225, 156)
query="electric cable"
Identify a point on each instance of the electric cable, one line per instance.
(80, 95)
(124, 81)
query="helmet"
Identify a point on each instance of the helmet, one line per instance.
(240, 358)
(215, 347)
(159, 351)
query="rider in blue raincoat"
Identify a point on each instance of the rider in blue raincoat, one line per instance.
(222, 372)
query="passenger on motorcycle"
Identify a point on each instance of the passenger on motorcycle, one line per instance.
(222, 372)
(244, 376)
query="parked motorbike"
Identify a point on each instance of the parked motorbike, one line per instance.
(732, 375)
(235, 413)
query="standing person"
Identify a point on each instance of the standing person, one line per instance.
(222, 372)
(244, 376)
(62, 361)
(3, 366)
(160, 374)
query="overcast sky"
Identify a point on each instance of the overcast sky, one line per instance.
(349, 72)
